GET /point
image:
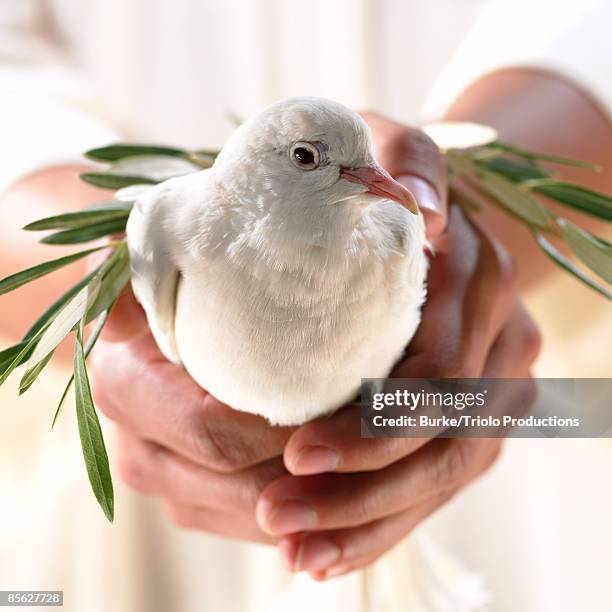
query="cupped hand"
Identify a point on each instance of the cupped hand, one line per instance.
(223, 471)
(348, 500)
(206, 462)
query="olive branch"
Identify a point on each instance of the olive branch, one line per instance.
(510, 177)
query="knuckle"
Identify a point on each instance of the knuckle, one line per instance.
(135, 474)
(424, 144)
(365, 503)
(531, 339)
(363, 508)
(214, 448)
(453, 465)
(139, 469)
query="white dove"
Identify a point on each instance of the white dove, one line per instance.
(287, 272)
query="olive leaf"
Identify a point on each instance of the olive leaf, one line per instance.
(31, 375)
(63, 322)
(8, 355)
(114, 276)
(120, 150)
(18, 356)
(578, 197)
(87, 233)
(58, 304)
(515, 170)
(10, 283)
(140, 169)
(516, 201)
(90, 432)
(102, 212)
(118, 204)
(593, 252)
(106, 180)
(567, 265)
(91, 342)
(533, 155)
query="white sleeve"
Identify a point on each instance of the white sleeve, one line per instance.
(47, 114)
(570, 38)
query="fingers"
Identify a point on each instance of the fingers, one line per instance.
(330, 501)
(410, 156)
(152, 469)
(334, 553)
(138, 389)
(214, 521)
(334, 444)
(471, 284)
(515, 348)
(428, 199)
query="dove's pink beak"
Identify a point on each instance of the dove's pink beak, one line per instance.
(379, 182)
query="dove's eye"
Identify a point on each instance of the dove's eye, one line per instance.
(305, 155)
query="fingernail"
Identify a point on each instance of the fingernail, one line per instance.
(423, 192)
(316, 460)
(316, 553)
(291, 516)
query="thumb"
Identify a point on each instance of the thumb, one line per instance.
(412, 157)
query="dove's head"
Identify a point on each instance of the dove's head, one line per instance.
(304, 155)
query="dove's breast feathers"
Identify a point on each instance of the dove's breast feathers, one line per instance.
(269, 321)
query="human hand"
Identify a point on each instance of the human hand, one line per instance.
(412, 157)
(348, 500)
(206, 462)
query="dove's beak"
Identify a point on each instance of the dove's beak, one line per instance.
(379, 182)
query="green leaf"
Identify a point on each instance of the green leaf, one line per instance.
(583, 199)
(55, 307)
(516, 201)
(8, 355)
(202, 158)
(10, 283)
(120, 150)
(87, 233)
(533, 155)
(113, 181)
(82, 218)
(115, 275)
(65, 320)
(31, 375)
(460, 163)
(118, 205)
(91, 342)
(208, 152)
(590, 250)
(515, 170)
(19, 357)
(90, 432)
(567, 265)
(141, 169)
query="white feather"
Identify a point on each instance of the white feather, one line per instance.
(291, 286)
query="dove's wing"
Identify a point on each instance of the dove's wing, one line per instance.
(153, 232)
